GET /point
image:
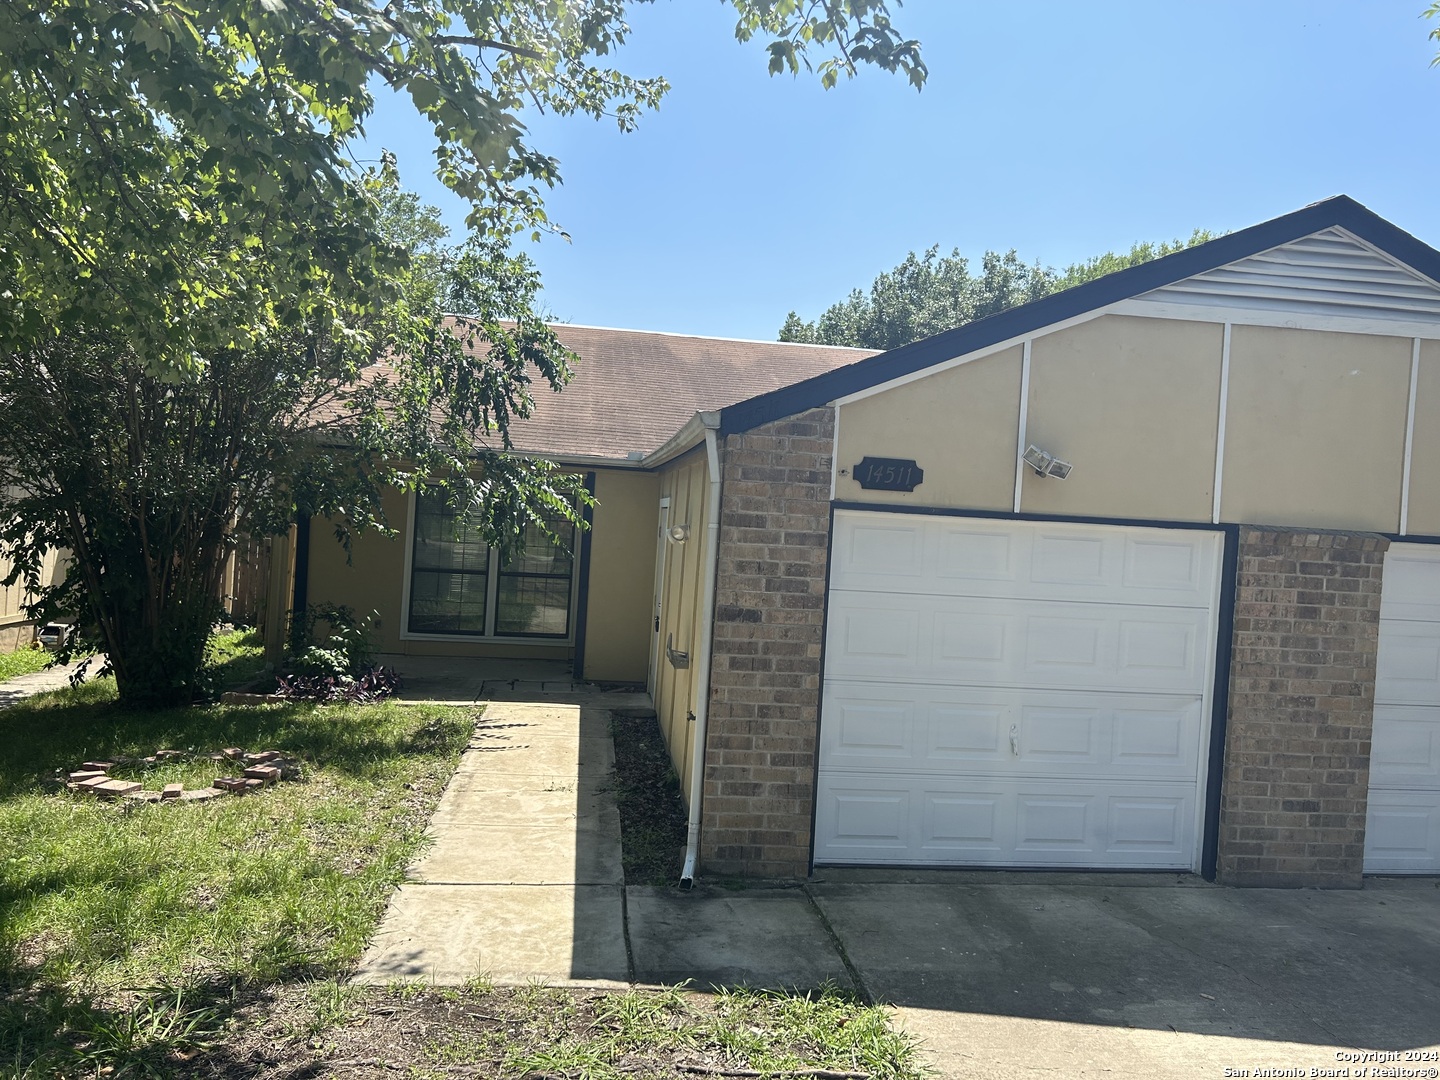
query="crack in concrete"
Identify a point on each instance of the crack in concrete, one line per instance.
(850, 969)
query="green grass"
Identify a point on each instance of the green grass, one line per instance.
(23, 662)
(648, 1033)
(240, 656)
(119, 920)
(217, 937)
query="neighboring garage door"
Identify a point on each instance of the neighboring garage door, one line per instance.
(1012, 693)
(1402, 831)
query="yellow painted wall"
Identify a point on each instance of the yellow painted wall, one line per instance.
(1315, 429)
(1133, 405)
(686, 482)
(374, 577)
(622, 576)
(1425, 452)
(16, 631)
(959, 425)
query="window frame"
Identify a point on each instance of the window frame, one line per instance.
(492, 587)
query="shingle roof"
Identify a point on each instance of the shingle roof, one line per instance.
(1340, 211)
(634, 389)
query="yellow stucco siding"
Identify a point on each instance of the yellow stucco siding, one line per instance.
(622, 576)
(959, 425)
(1133, 405)
(1424, 516)
(1315, 428)
(686, 483)
(373, 579)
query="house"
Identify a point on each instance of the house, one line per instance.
(880, 630)
(17, 630)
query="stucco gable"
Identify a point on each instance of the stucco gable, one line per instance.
(1338, 230)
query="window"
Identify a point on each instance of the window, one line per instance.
(458, 587)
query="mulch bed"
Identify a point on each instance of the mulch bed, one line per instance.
(652, 812)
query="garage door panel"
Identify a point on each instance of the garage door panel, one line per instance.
(1405, 747)
(994, 642)
(1410, 589)
(1003, 693)
(1004, 822)
(1083, 563)
(1402, 832)
(976, 731)
(1407, 668)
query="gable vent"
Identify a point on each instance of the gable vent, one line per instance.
(1328, 273)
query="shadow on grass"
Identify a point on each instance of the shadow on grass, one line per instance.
(60, 730)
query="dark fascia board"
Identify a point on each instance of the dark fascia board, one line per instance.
(1340, 211)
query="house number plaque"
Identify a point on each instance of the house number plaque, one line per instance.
(888, 474)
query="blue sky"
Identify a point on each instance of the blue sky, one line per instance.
(1059, 130)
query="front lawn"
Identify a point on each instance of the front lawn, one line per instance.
(126, 926)
(23, 662)
(215, 939)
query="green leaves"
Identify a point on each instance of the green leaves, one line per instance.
(855, 31)
(929, 294)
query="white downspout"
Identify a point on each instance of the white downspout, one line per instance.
(704, 646)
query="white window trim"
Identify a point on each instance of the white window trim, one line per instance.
(492, 580)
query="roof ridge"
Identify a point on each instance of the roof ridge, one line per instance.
(1340, 211)
(693, 337)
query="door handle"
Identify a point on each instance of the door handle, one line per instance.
(1014, 741)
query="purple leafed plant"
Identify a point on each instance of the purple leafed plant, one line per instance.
(374, 684)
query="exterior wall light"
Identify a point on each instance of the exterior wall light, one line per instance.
(1046, 464)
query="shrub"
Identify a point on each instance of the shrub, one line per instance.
(371, 685)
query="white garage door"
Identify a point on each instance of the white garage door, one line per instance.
(1402, 830)
(1015, 693)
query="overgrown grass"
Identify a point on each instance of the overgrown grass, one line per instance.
(23, 662)
(240, 656)
(544, 1031)
(121, 922)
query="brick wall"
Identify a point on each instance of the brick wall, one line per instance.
(765, 680)
(1302, 690)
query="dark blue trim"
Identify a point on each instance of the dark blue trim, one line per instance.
(1396, 538)
(820, 694)
(582, 605)
(300, 598)
(1220, 701)
(1340, 211)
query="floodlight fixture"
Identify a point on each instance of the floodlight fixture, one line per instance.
(1045, 464)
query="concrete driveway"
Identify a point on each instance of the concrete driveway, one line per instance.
(997, 974)
(1104, 975)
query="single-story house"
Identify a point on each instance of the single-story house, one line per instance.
(1144, 575)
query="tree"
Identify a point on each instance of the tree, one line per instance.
(929, 294)
(132, 133)
(147, 480)
(215, 323)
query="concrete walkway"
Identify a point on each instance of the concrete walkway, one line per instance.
(467, 680)
(523, 880)
(39, 682)
(1008, 975)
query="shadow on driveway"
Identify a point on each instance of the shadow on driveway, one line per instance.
(1317, 969)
